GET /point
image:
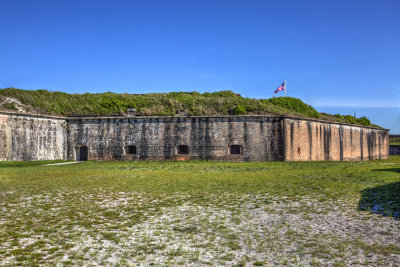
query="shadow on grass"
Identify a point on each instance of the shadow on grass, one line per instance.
(17, 164)
(387, 170)
(384, 200)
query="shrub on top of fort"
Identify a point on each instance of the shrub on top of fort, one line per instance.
(9, 106)
(295, 104)
(353, 120)
(239, 110)
(165, 104)
(364, 121)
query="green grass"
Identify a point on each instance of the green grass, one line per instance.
(163, 104)
(331, 179)
(80, 212)
(394, 141)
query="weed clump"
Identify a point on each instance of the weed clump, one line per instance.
(9, 106)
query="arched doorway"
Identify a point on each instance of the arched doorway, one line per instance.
(81, 153)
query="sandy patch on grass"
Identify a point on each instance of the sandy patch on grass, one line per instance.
(249, 231)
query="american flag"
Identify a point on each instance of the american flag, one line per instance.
(280, 88)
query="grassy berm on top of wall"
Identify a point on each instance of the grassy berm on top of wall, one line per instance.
(161, 104)
(394, 141)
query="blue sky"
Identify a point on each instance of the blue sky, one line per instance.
(341, 54)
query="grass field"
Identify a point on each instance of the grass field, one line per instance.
(200, 213)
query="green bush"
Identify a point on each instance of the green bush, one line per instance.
(350, 119)
(364, 121)
(239, 110)
(353, 120)
(9, 106)
(295, 104)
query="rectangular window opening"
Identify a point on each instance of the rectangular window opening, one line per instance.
(235, 149)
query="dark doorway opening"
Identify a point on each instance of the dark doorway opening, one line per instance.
(130, 150)
(81, 153)
(183, 149)
(236, 149)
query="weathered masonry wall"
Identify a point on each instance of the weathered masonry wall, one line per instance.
(28, 137)
(259, 138)
(226, 138)
(394, 150)
(316, 140)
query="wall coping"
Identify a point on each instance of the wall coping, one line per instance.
(170, 117)
(17, 114)
(333, 122)
(221, 116)
(83, 117)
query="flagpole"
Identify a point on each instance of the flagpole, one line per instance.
(285, 87)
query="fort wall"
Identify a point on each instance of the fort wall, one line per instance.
(31, 137)
(394, 150)
(208, 138)
(225, 138)
(320, 140)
